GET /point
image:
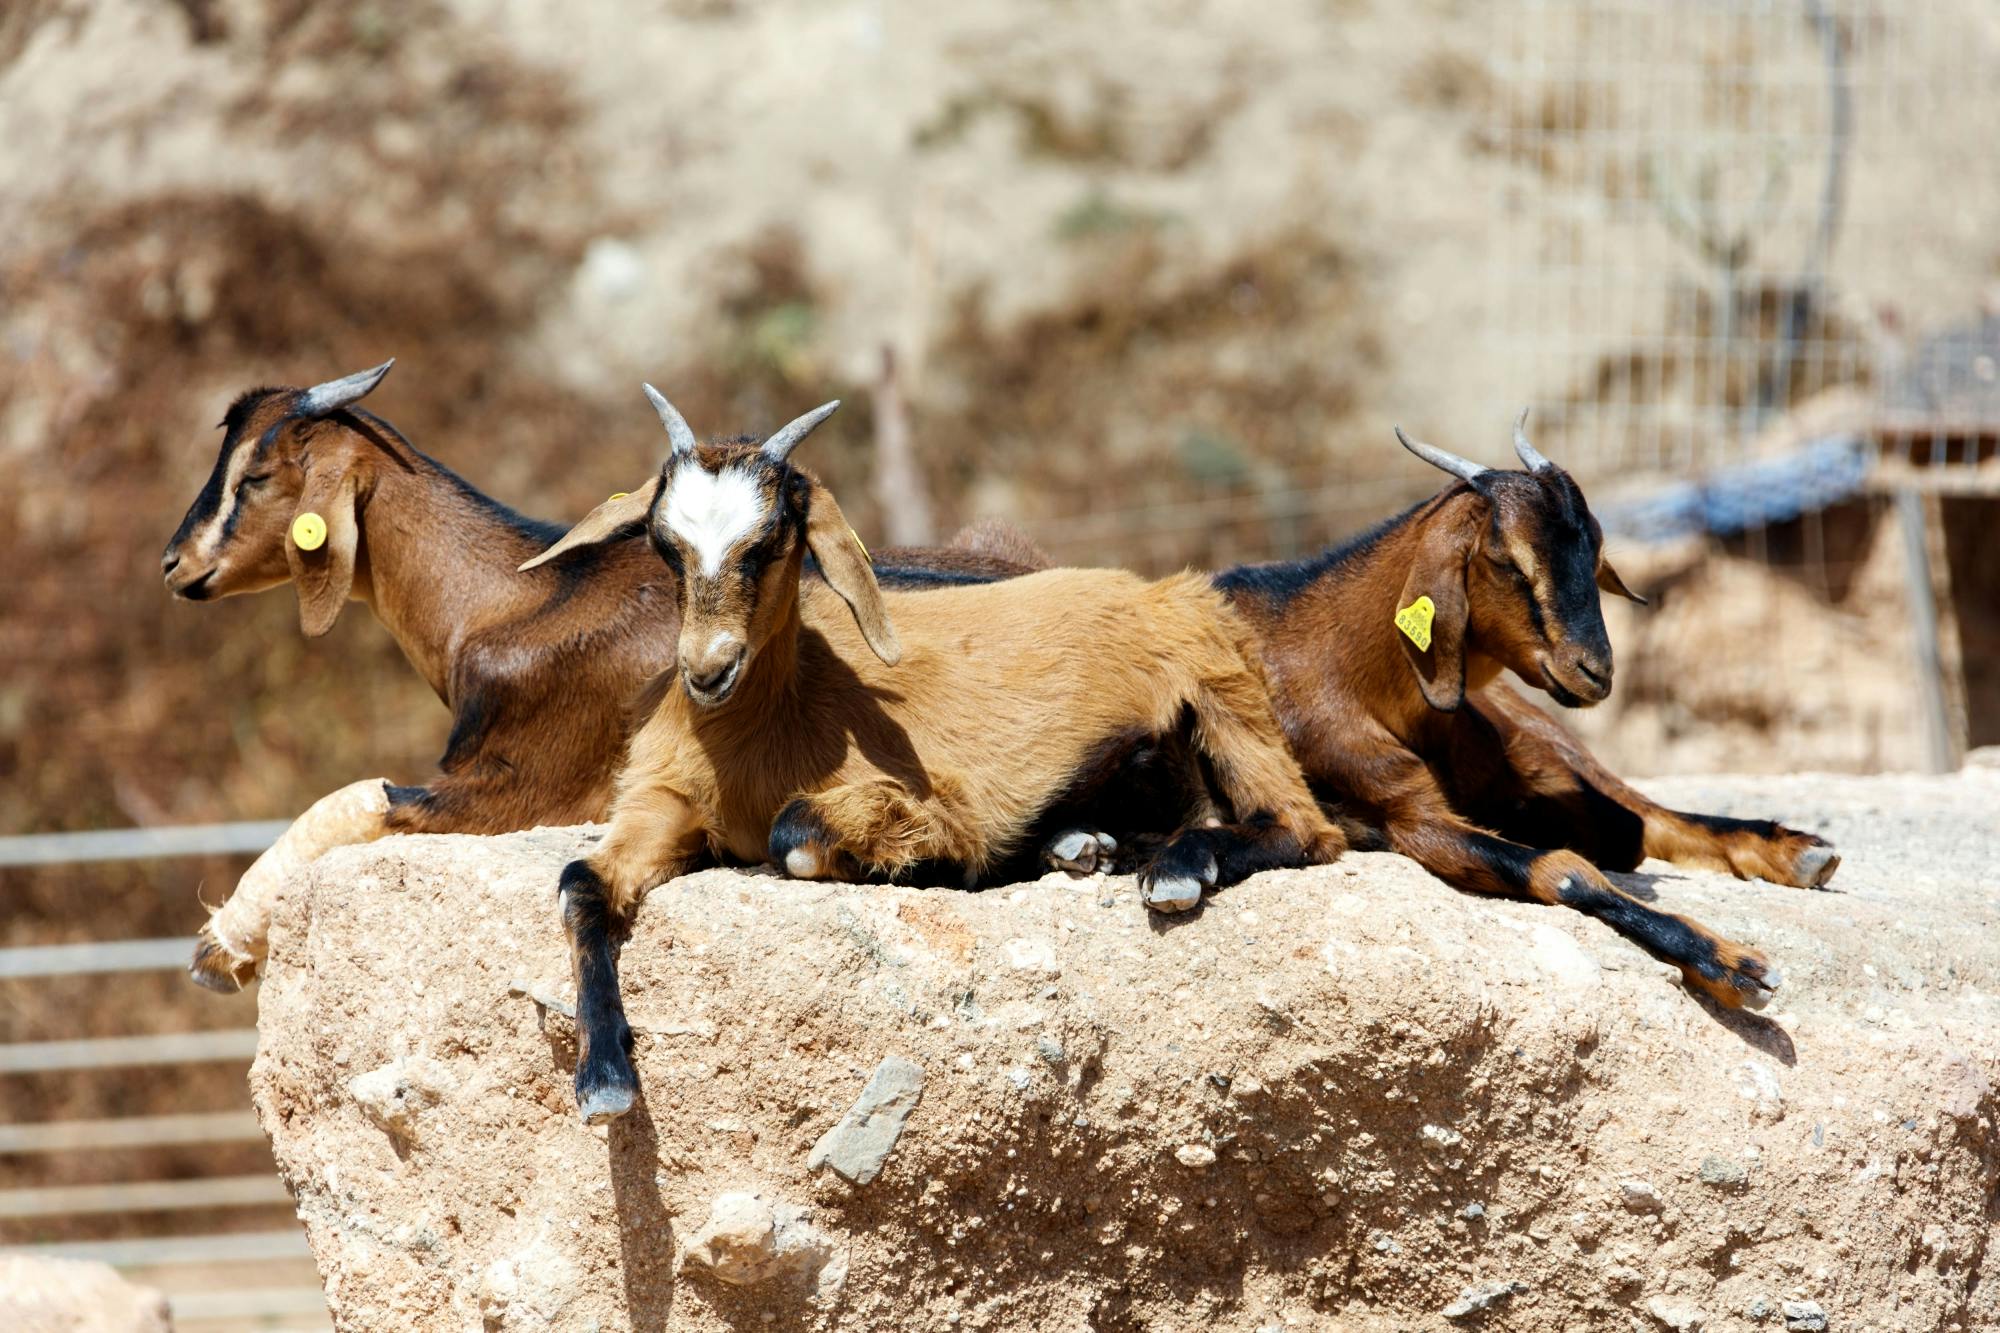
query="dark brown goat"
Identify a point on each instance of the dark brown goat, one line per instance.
(1458, 771)
(535, 667)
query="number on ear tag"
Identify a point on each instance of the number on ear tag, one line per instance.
(1415, 622)
(308, 531)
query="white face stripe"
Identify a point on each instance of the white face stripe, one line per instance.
(712, 511)
(208, 541)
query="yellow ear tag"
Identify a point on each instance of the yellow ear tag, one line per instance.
(309, 531)
(858, 542)
(1415, 622)
(618, 495)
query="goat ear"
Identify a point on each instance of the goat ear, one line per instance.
(844, 562)
(603, 523)
(1439, 574)
(1607, 579)
(321, 545)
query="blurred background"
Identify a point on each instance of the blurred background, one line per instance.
(1152, 280)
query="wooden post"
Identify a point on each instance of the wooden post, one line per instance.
(1912, 519)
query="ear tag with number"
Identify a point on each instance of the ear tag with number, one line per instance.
(858, 542)
(618, 495)
(1415, 622)
(308, 531)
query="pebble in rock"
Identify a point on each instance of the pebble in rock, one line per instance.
(865, 1136)
(1195, 1156)
(1722, 1173)
(1640, 1196)
(1481, 1298)
(1671, 1314)
(1803, 1317)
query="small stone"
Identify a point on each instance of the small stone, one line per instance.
(395, 1093)
(1473, 1211)
(1640, 1196)
(1049, 1049)
(749, 1239)
(1476, 1299)
(867, 1134)
(1671, 1314)
(1803, 1317)
(1620, 1277)
(1758, 1309)
(1195, 1156)
(1722, 1173)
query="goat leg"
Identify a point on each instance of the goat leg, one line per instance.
(1198, 859)
(1617, 826)
(1465, 857)
(858, 828)
(232, 942)
(606, 1086)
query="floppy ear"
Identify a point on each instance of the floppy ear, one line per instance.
(1608, 580)
(324, 575)
(845, 564)
(1439, 574)
(603, 523)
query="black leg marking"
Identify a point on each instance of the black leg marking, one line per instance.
(1671, 940)
(801, 842)
(1211, 858)
(606, 1087)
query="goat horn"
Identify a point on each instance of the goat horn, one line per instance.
(1463, 468)
(678, 435)
(323, 398)
(779, 446)
(1531, 457)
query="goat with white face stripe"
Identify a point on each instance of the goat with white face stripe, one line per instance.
(728, 519)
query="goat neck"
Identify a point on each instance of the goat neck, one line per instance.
(437, 562)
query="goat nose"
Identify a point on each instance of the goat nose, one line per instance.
(707, 678)
(169, 562)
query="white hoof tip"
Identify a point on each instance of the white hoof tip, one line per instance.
(1107, 843)
(1759, 996)
(802, 863)
(1816, 866)
(605, 1105)
(1176, 894)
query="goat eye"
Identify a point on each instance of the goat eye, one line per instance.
(257, 479)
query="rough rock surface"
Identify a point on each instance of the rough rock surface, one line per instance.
(1348, 1098)
(73, 1296)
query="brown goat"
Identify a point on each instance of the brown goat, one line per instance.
(536, 669)
(843, 732)
(1427, 744)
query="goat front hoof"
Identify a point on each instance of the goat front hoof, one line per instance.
(1173, 893)
(1816, 866)
(1079, 851)
(1747, 982)
(605, 1097)
(217, 968)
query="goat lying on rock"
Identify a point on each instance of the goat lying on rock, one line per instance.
(897, 730)
(537, 671)
(1384, 657)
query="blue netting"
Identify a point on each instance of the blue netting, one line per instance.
(1748, 496)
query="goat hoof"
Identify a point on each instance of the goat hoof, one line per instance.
(1816, 866)
(1080, 851)
(216, 968)
(1173, 893)
(605, 1099)
(1755, 983)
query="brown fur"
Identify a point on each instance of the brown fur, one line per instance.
(535, 667)
(1458, 771)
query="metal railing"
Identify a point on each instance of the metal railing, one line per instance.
(247, 1297)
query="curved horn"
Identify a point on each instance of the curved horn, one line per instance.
(1463, 468)
(779, 447)
(323, 398)
(678, 435)
(1531, 457)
